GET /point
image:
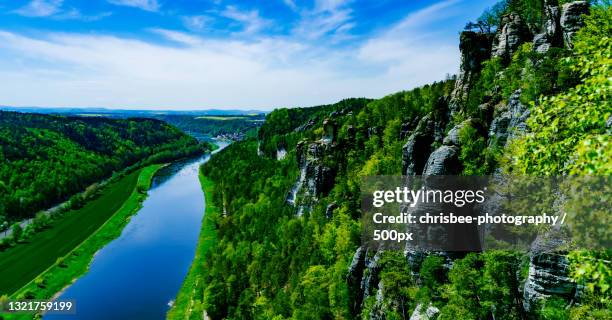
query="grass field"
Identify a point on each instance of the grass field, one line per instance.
(188, 304)
(64, 250)
(221, 118)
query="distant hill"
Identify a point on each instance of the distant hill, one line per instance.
(122, 113)
(44, 159)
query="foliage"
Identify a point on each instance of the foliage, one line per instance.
(268, 263)
(44, 159)
(211, 126)
(76, 240)
(24, 262)
(473, 147)
(568, 132)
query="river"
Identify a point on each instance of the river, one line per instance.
(137, 275)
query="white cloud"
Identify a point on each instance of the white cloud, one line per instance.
(327, 17)
(195, 23)
(291, 4)
(147, 5)
(68, 69)
(178, 36)
(330, 5)
(251, 21)
(74, 14)
(40, 8)
(53, 9)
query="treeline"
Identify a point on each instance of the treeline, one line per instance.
(212, 126)
(44, 159)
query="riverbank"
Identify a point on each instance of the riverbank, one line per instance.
(99, 229)
(188, 303)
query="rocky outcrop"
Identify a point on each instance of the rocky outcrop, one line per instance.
(417, 148)
(475, 48)
(354, 278)
(281, 153)
(316, 176)
(443, 161)
(452, 137)
(560, 25)
(329, 131)
(305, 126)
(511, 34)
(370, 275)
(548, 275)
(407, 127)
(429, 129)
(428, 314)
(510, 122)
(551, 34)
(571, 19)
(362, 276)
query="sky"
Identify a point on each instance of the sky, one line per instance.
(224, 54)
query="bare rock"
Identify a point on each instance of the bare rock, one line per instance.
(510, 123)
(428, 314)
(572, 19)
(550, 35)
(512, 33)
(443, 161)
(452, 138)
(475, 48)
(353, 279)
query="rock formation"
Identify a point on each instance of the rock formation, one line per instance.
(511, 34)
(316, 176)
(429, 129)
(548, 275)
(550, 35)
(510, 122)
(475, 48)
(417, 148)
(560, 25)
(452, 137)
(572, 20)
(354, 279)
(419, 314)
(443, 161)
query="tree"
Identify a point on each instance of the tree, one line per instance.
(17, 231)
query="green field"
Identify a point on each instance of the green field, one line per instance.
(26, 261)
(188, 304)
(221, 118)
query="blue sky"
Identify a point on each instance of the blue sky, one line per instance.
(223, 54)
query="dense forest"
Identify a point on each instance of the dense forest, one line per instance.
(215, 125)
(532, 98)
(45, 159)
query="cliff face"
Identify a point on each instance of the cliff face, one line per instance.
(316, 174)
(475, 49)
(498, 124)
(432, 145)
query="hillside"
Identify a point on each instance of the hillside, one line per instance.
(233, 127)
(532, 97)
(45, 159)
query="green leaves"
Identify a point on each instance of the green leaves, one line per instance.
(568, 133)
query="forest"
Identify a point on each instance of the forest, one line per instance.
(214, 125)
(289, 241)
(45, 159)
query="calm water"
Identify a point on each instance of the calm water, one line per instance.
(137, 275)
